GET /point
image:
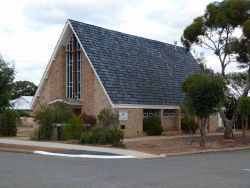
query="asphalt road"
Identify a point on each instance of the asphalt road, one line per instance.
(225, 169)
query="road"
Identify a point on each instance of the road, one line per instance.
(224, 169)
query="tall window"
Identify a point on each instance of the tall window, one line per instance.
(73, 69)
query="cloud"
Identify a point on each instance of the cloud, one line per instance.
(33, 27)
(44, 13)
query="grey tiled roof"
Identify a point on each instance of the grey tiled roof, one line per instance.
(136, 70)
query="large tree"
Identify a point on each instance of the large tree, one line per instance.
(222, 27)
(7, 73)
(23, 88)
(204, 95)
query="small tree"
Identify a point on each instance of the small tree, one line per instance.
(244, 110)
(204, 95)
(7, 73)
(108, 119)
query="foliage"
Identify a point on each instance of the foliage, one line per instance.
(88, 119)
(23, 113)
(152, 125)
(73, 129)
(47, 115)
(204, 94)
(237, 81)
(230, 105)
(9, 120)
(246, 28)
(35, 135)
(244, 106)
(188, 123)
(23, 88)
(7, 73)
(244, 110)
(216, 27)
(100, 135)
(217, 30)
(108, 119)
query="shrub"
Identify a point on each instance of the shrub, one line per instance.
(108, 119)
(9, 120)
(23, 113)
(73, 129)
(100, 135)
(35, 135)
(88, 119)
(188, 123)
(47, 115)
(152, 125)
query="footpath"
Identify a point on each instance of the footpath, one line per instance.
(68, 150)
(138, 147)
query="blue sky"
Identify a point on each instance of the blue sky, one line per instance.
(29, 29)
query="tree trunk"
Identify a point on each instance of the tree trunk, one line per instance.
(243, 127)
(203, 130)
(228, 133)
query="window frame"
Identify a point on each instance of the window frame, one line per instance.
(166, 112)
(73, 68)
(149, 113)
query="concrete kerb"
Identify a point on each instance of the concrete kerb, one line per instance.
(136, 154)
(205, 151)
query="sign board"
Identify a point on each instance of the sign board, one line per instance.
(123, 115)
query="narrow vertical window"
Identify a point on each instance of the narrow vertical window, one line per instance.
(73, 69)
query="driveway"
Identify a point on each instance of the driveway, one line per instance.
(223, 169)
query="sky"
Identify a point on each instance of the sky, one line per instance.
(29, 29)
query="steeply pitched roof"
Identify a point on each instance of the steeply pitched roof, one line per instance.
(136, 70)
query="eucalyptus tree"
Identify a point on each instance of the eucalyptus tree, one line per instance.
(224, 29)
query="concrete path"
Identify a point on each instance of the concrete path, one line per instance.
(135, 154)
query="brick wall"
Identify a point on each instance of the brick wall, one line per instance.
(93, 98)
(55, 83)
(171, 123)
(134, 124)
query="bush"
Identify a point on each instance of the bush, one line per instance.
(47, 115)
(152, 126)
(35, 135)
(100, 135)
(73, 129)
(9, 120)
(88, 119)
(188, 123)
(108, 119)
(23, 113)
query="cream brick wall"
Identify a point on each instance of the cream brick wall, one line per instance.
(55, 83)
(171, 123)
(134, 124)
(213, 123)
(93, 97)
(87, 88)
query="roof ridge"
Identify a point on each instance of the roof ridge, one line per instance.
(154, 40)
